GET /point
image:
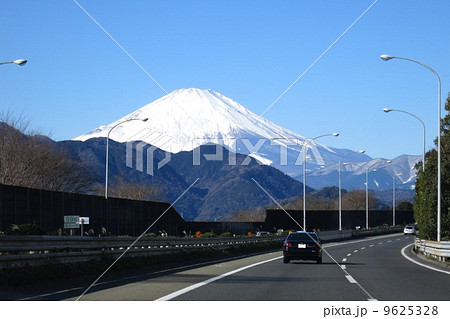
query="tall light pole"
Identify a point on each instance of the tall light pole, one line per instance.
(386, 57)
(340, 188)
(387, 110)
(305, 150)
(107, 151)
(393, 192)
(20, 62)
(367, 191)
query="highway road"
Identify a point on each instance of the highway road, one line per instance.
(366, 269)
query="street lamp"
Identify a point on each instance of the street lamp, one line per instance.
(367, 191)
(386, 57)
(393, 192)
(386, 110)
(340, 188)
(305, 150)
(20, 62)
(107, 151)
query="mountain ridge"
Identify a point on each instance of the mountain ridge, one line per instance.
(187, 118)
(220, 191)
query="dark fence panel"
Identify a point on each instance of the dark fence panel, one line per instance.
(20, 205)
(329, 220)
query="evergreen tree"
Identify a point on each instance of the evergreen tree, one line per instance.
(425, 200)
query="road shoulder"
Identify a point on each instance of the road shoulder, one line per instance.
(421, 260)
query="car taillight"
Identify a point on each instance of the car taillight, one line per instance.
(288, 244)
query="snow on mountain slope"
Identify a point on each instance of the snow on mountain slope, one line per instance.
(380, 174)
(188, 118)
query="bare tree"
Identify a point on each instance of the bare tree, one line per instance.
(135, 190)
(313, 203)
(356, 200)
(32, 160)
(257, 214)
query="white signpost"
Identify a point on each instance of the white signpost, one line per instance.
(83, 221)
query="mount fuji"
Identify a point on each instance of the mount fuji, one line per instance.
(188, 118)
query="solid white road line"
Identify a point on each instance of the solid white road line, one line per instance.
(203, 283)
(195, 286)
(420, 264)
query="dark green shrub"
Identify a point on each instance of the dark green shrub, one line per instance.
(209, 234)
(150, 235)
(226, 234)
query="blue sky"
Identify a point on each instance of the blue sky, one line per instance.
(77, 78)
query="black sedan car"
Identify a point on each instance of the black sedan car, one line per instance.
(302, 245)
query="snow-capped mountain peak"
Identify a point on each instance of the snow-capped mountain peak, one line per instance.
(188, 118)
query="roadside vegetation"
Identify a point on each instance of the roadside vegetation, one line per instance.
(30, 159)
(325, 199)
(133, 190)
(425, 201)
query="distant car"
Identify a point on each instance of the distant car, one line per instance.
(302, 246)
(409, 230)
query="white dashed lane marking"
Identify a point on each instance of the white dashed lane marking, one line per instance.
(350, 279)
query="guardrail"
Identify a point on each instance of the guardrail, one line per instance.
(378, 231)
(17, 251)
(438, 250)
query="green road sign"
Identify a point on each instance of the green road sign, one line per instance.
(71, 221)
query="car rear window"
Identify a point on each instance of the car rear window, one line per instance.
(303, 236)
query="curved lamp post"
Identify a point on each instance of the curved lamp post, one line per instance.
(107, 151)
(20, 62)
(305, 143)
(367, 191)
(340, 188)
(305, 150)
(393, 192)
(386, 57)
(386, 110)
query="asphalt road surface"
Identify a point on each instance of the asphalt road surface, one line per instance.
(366, 269)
